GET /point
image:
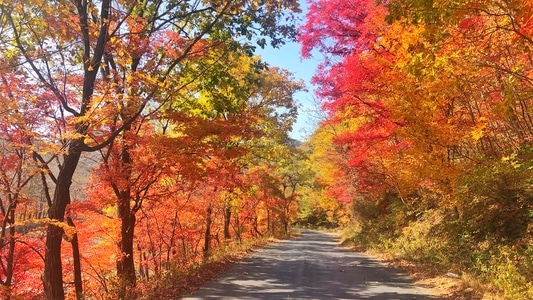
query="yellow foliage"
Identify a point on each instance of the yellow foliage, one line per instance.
(478, 131)
(68, 230)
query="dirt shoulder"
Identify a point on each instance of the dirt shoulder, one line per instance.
(448, 286)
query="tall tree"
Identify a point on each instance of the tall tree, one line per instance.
(113, 65)
(426, 94)
(19, 171)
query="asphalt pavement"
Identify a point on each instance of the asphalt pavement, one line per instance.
(311, 266)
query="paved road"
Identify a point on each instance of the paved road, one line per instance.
(311, 266)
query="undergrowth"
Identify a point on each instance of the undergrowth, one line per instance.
(479, 228)
(181, 280)
(439, 246)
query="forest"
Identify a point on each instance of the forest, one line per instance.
(143, 140)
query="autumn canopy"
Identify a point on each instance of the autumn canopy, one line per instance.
(136, 136)
(142, 140)
(426, 149)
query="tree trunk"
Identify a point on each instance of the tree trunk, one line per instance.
(125, 263)
(256, 229)
(78, 283)
(227, 221)
(11, 251)
(207, 237)
(269, 228)
(10, 256)
(172, 241)
(237, 227)
(53, 269)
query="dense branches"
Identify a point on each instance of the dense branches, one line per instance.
(152, 85)
(423, 96)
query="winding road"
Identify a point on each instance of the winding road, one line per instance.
(312, 266)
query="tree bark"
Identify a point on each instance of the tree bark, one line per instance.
(53, 269)
(125, 263)
(207, 236)
(227, 221)
(78, 283)
(11, 251)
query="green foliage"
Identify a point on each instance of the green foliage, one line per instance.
(424, 11)
(485, 231)
(508, 269)
(439, 240)
(496, 199)
(312, 215)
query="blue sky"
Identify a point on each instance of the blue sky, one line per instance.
(288, 57)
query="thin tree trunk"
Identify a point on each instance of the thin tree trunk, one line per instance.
(207, 236)
(256, 229)
(237, 227)
(11, 252)
(269, 229)
(172, 240)
(125, 263)
(227, 221)
(78, 283)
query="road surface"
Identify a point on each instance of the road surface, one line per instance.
(311, 266)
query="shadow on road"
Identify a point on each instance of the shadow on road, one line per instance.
(312, 266)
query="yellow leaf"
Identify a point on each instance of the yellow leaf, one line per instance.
(478, 131)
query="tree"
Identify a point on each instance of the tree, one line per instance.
(431, 103)
(18, 175)
(110, 67)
